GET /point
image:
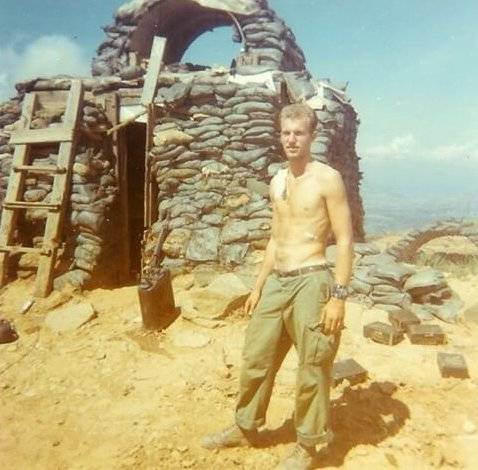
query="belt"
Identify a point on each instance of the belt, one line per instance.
(299, 271)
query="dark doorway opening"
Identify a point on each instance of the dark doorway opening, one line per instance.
(133, 158)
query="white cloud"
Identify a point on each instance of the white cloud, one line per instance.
(46, 56)
(398, 147)
(406, 147)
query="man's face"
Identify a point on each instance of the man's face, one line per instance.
(296, 138)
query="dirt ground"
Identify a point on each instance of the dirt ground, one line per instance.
(111, 395)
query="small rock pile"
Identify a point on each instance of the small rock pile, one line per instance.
(394, 286)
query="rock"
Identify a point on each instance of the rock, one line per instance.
(172, 136)
(69, 318)
(366, 249)
(34, 195)
(190, 339)
(469, 427)
(175, 244)
(423, 312)
(252, 106)
(234, 231)
(204, 245)
(448, 311)
(76, 278)
(424, 282)
(392, 272)
(400, 299)
(379, 259)
(360, 287)
(234, 254)
(224, 294)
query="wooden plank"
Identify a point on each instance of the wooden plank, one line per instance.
(29, 205)
(13, 249)
(15, 185)
(59, 194)
(39, 169)
(154, 66)
(150, 187)
(42, 136)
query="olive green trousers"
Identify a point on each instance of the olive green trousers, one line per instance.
(288, 313)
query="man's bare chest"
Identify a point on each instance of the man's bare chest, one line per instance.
(300, 198)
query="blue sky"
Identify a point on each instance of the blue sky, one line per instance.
(412, 68)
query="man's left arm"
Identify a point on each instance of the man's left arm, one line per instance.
(341, 224)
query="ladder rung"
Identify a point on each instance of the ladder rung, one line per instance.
(42, 136)
(31, 205)
(40, 169)
(25, 249)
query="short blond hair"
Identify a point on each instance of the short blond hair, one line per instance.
(300, 111)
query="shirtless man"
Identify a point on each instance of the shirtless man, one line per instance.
(296, 299)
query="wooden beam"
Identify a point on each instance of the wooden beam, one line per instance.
(42, 136)
(60, 193)
(154, 66)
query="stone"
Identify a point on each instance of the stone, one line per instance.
(366, 249)
(69, 318)
(251, 106)
(448, 311)
(360, 287)
(172, 136)
(392, 272)
(76, 278)
(190, 339)
(234, 231)
(234, 254)
(423, 312)
(401, 299)
(469, 427)
(204, 245)
(175, 244)
(34, 195)
(225, 293)
(379, 259)
(424, 282)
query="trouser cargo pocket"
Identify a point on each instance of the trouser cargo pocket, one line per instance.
(316, 346)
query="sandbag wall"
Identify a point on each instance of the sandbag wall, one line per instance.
(213, 153)
(93, 194)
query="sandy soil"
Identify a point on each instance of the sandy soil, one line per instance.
(110, 395)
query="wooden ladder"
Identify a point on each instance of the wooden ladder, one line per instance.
(24, 139)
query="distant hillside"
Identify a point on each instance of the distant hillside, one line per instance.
(399, 195)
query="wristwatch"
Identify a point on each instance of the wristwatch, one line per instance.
(339, 291)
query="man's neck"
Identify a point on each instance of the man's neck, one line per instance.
(298, 167)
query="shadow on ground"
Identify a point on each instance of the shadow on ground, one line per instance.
(364, 415)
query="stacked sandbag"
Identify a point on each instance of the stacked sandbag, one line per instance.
(93, 190)
(268, 37)
(263, 34)
(9, 113)
(407, 247)
(383, 282)
(211, 165)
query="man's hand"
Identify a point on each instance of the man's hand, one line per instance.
(251, 302)
(333, 315)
